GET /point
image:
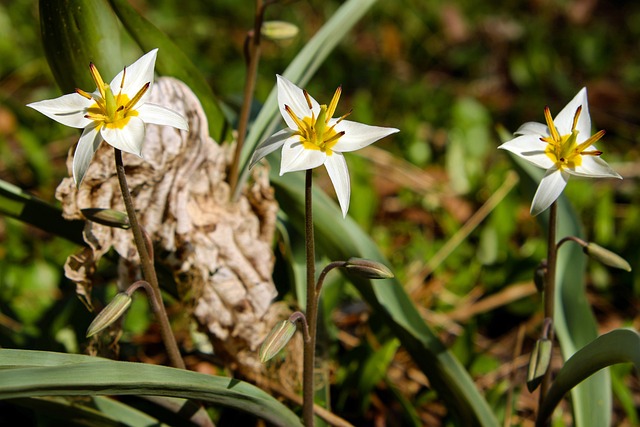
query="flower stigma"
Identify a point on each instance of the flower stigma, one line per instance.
(315, 132)
(564, 150)
(112, 111)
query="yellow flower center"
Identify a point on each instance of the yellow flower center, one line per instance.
(112, 111)
(564, 150)
(315, 132)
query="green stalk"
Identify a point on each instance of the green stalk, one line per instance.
(148, 271)
(253, 50)
(312, 307)
(550, 290)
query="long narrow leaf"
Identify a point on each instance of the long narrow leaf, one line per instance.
(98, 411)
(617, 346)
(60, 375)
(173, 62)
(19, 205)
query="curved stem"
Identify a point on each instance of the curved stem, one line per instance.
(252, 53)
(549, 291)
(578, 240)
(325, 271)
(148, 270)
(312, 307)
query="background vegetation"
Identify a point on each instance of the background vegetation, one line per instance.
(451, 76)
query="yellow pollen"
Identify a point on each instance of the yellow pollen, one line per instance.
(564, 150)
(315, 132)
(109, 110)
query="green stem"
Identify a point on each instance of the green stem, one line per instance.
(550, 290)
(325, 271)
(252, 49)
(312, 307)
(148, 271)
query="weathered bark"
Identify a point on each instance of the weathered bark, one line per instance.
(218, 250)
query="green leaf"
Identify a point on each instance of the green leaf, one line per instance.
(617, 346)
(17, 204)
(172, 61)
(574, 323)
(300, 71)
(75, 33)
(343, 238)
(25, 373)
(97, 411)
(375, 369)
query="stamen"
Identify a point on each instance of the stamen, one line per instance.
(552, 127)
(95, 74)
(299, 123)
(83, 93)
(124, 73)
(334, 103)
(575, 118)
(343, 117)
(591, 153)
(592, 140)
(334, 137)
(308, 98)
(137, 96)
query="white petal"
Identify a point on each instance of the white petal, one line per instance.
(67, 109)
(357, 135)
(530, 148)
(159, 115)
(564, 119)
(549, 190)
(291, 95)
(339, 174)
(533, 128)
(87, 146)
(270, 145)
(137, 75)
(594, 167)
(129, 138)
(296, 158)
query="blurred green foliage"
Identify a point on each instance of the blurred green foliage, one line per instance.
(446, 74)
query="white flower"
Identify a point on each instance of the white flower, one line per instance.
(564, 147)
(115, 112)
(315, 138)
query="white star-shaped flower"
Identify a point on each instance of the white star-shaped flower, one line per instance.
(116, 112)
(315, 138)
(564, 147)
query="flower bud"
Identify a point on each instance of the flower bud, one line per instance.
(368, 269)
(110, 313)
(108, 217)
(539, 363)
(606, 257)
(279, 30)
(277, 339)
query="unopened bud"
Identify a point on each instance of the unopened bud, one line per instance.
(606, 257)
(277, 339)
(110, 313)
(108, 217)
(367, 268)
(279, 30)
(539, 363)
